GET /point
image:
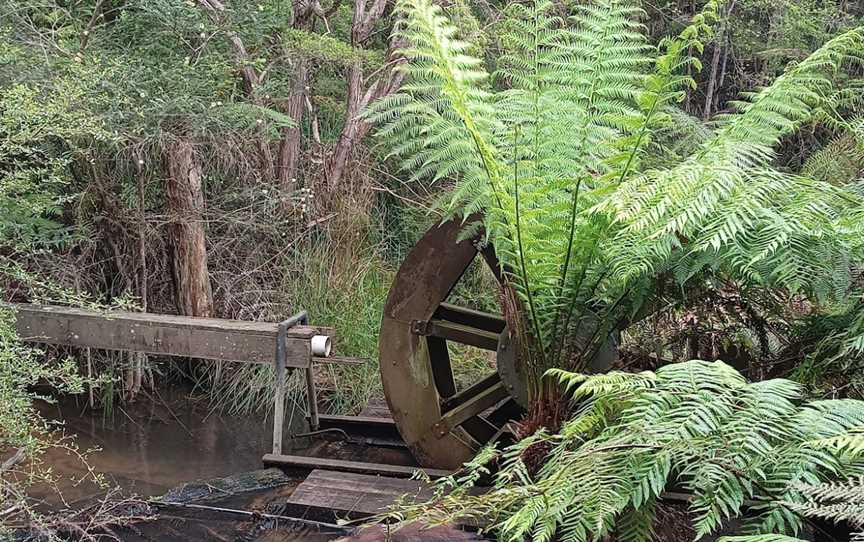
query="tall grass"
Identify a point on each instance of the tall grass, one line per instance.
(343, 289)
(342, 280)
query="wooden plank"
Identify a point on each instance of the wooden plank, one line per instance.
(355, 495)
(341, 465)
(487, 340)
(159, 334)
(377, 408)
(366, 429)
(470, 317)
(336, 420)
(341, 360)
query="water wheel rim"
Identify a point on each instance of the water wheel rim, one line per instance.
(441, 425)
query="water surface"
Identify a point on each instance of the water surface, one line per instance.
(150, 446)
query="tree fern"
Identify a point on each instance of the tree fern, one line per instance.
(557, 150)
(577, 105)
(839, 502)
(732, 444)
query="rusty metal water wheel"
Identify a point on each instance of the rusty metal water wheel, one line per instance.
(444, 426)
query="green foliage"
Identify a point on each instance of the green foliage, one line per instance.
(701, 426)
(21, 368)
(329, 49)
(841, 160)
(40, 136)
(838, 502)
(556, 158)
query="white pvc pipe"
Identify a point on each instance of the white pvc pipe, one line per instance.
(321, 346)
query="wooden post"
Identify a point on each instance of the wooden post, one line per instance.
(280, 370)
(312, 397)
(185, 200)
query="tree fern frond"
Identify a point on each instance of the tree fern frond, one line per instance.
(727, 441)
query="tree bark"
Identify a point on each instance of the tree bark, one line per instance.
(366, 16)
(719, 43)
(185, 199)
(722, 79)
(304, 12)
(352, 131)
(712, 81)
(289, 147)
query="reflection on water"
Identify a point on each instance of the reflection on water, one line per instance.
(161, 442)
(149, 446)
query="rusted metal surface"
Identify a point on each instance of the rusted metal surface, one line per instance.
(167, 335)
(425, 279)
(442, 426)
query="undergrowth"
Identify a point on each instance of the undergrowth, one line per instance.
(696, 426)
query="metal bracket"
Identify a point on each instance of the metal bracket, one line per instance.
(421, 327)
(301, 318)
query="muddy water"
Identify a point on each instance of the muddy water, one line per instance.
(166, 440)
(150, 446)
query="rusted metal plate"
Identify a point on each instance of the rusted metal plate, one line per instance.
(425, 279)
(159, 334)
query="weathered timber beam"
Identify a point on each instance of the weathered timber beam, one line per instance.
(342, 465)
(470, 317)
(162, 334)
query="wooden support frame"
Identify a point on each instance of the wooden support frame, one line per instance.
(287, 344)
(162, 334)
(280, 370)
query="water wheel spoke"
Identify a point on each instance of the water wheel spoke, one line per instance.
(473, 390)
(472, 407)
(442, 370)
(488, 254)
(480, 429)
(505, 412)
(480, 338)
(469, 317)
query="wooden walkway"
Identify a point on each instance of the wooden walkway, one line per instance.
(329, 495)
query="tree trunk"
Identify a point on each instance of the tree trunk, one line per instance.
(185, 199)
(719, 43)
(289, 147)
(722, 79)
(366, 16)
(712, 81)
(354, 128)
